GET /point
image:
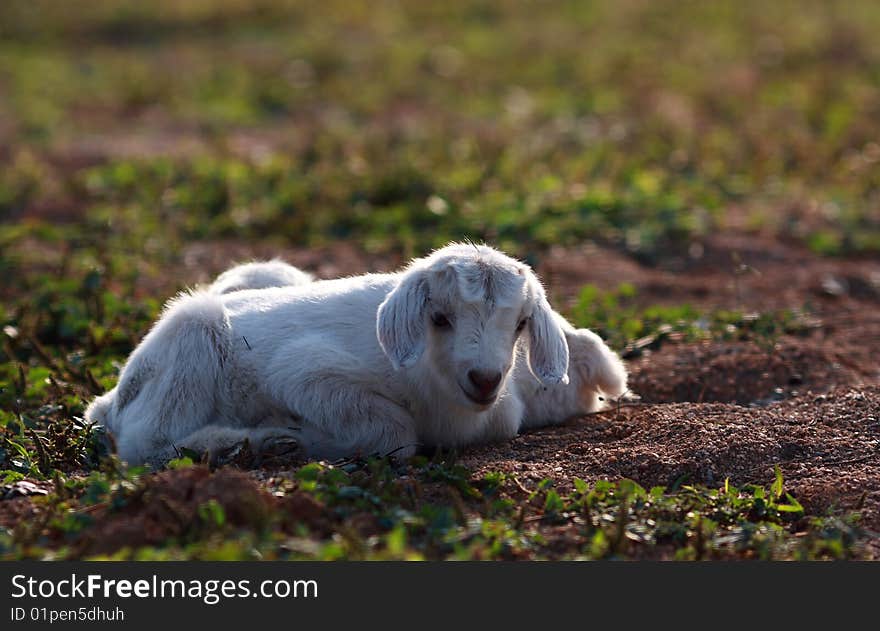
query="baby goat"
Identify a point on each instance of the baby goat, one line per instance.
(458, 348)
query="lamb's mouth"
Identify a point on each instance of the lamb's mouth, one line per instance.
(482, 402)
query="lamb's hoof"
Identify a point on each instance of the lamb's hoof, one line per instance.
(238, 455)
(277, 450)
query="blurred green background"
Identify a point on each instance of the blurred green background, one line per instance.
(642, 124)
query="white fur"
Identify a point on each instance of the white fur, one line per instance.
(356, 365)
(259, 275)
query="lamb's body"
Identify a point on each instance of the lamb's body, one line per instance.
(303, 363)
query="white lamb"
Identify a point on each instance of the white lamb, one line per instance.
(382, 363)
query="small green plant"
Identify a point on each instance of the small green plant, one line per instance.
(617, 316)
(435, 509)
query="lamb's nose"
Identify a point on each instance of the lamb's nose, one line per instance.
(484, 382)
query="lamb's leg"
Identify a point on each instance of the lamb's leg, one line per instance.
(342, 420)
(339, 414)
(168, 387)
(594, 370)
(244, 445)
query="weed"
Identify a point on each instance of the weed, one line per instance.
(630, 327)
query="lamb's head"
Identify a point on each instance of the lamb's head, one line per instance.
(461, 312)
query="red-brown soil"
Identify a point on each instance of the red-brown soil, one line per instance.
(827, 446)
(709, 410)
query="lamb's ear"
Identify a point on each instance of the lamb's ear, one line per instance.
(400, 321)
(548, 350)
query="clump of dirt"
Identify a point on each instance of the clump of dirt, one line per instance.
(16, 511)
(827, 446)
(300, 507)
(16, 502)
(167, 506)
(744, 372)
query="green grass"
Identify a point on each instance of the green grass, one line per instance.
(486, 518)
(645, 125)
(132, 129)
(630, 327)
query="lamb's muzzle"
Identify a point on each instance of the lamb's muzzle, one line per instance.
(485, 384)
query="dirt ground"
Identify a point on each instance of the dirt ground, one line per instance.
(716, 410)
(709, 410)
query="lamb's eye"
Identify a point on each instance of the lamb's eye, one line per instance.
(440, 321)
(521, 325)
